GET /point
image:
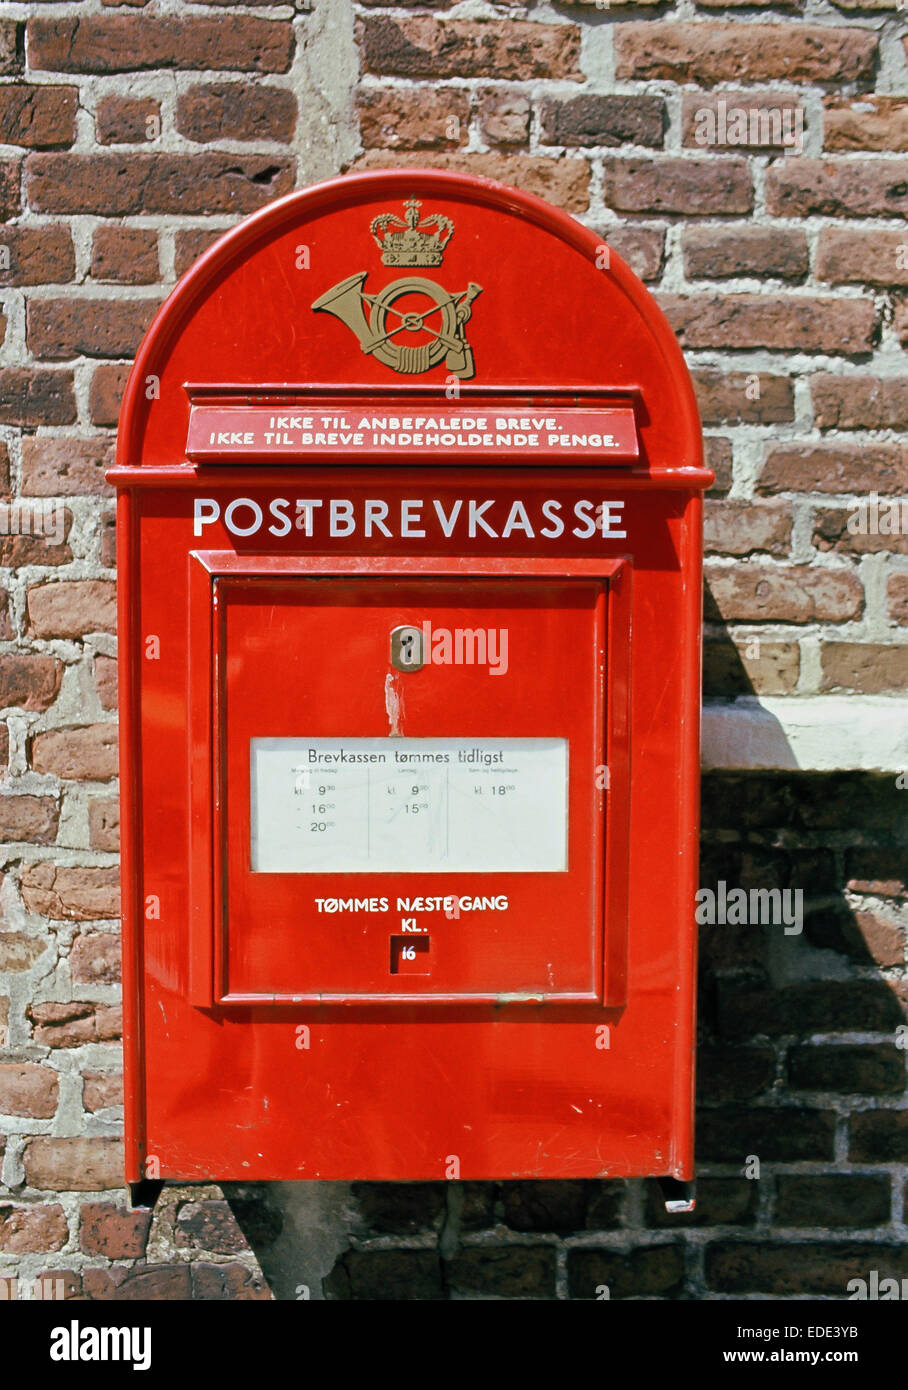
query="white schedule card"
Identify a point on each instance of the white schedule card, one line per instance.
(393, 805)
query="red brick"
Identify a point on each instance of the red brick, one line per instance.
(127, 43)
(89, 752)
(28, 1089)
(41, 548)
(228, 1282)
(866, 666)
(897, 597)
(792, 323)
(837, 188)
(4, 471)
(564, 182)
(835, 467)
(72, 607)
(55, 467)
(748, 592)
(110, 1231)
(603, 120)
(37, 255)
(143, 1283)
(642, 247)
(102, 1090)
(29, 820)
(757, 398)
(423, 118)
(10, 47)
(73, 1165)
(867, 122)
(427, 47)
(18, 951)
(119, 185)
(504, 118)
(105, 394)
(75, 1023)
(717, 253)
(740, 528)
(730, 669)
(29, 682)
(62, 328)
(94, 959)
(858, 1069)
(190, 242)
(109, 540)
(709, 53)
(235, 111)
(208, 1225)
(106, 680)
(696, 187)
(36, 1228)
(855, 258)
(831, 531)
(859, 402)
(770, 121)
(38, 117)
(31, 396)
(10, 193)
(125, 255)
(127, 120)
(71, 892)
(104, 823)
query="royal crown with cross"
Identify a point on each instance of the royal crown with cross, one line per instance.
(415, 243)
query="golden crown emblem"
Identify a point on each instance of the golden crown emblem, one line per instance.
(414, 243)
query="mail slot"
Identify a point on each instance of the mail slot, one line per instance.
(409, 486)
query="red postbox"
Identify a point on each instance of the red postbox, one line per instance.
(409, 524)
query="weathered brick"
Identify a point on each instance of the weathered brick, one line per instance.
(62, 328)
(657, 1271)
(413, 119)
(55, 467)
(38, 117)
(787, 1269)
(236, 111)
(109, 540)
(503, 1271)
(862, 258)
(717, 455)
(30, 820)
(504, 117)
(19, 951)
(385, 1276)
(608, 120)
(125, 255)
(37, 255)
(10, 188)
(564, 182)
(860, 1069)
(734, 1073)
(127, 120)
(227, 1282)
(831, 531)
(835, 467)
(868, 936)
(869, 667)
(94, 959)
(732, 1132)
(760, 121)
(400, 1207)
(642, 247)
(554, 1207)
(71, 892)
(750, 592)
(31, 396)
(73, 1165)
(208, 1225)
(29, 681)
(709, 53)
(818, 1006)
(127, 43)
(75, 1023)
(720, 1202)
(88, 752)
(102, 1090)
(837, 188)
(897, 597)
(754, 398)
(106, 680)
(859, 402)
(72, 607)
(10, 53)
(141, 1283)
(718, 253)
(750, 666)
(105, 395)
(28, 1089)
(190, 242)
(423, 46)
(879, 1136)
(695, 187)
(740, 528)
(35, 1228)
(108, 1230)
(867, 122)
(120, 185)
(791, 323)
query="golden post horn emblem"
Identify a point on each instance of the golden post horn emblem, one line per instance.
(378, 324)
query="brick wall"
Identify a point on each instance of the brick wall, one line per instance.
(130, 135)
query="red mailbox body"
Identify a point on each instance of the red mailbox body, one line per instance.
(409, 525)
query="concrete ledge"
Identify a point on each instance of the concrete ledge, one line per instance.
(815, 733)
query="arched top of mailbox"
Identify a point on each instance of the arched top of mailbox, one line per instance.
(403, 284)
